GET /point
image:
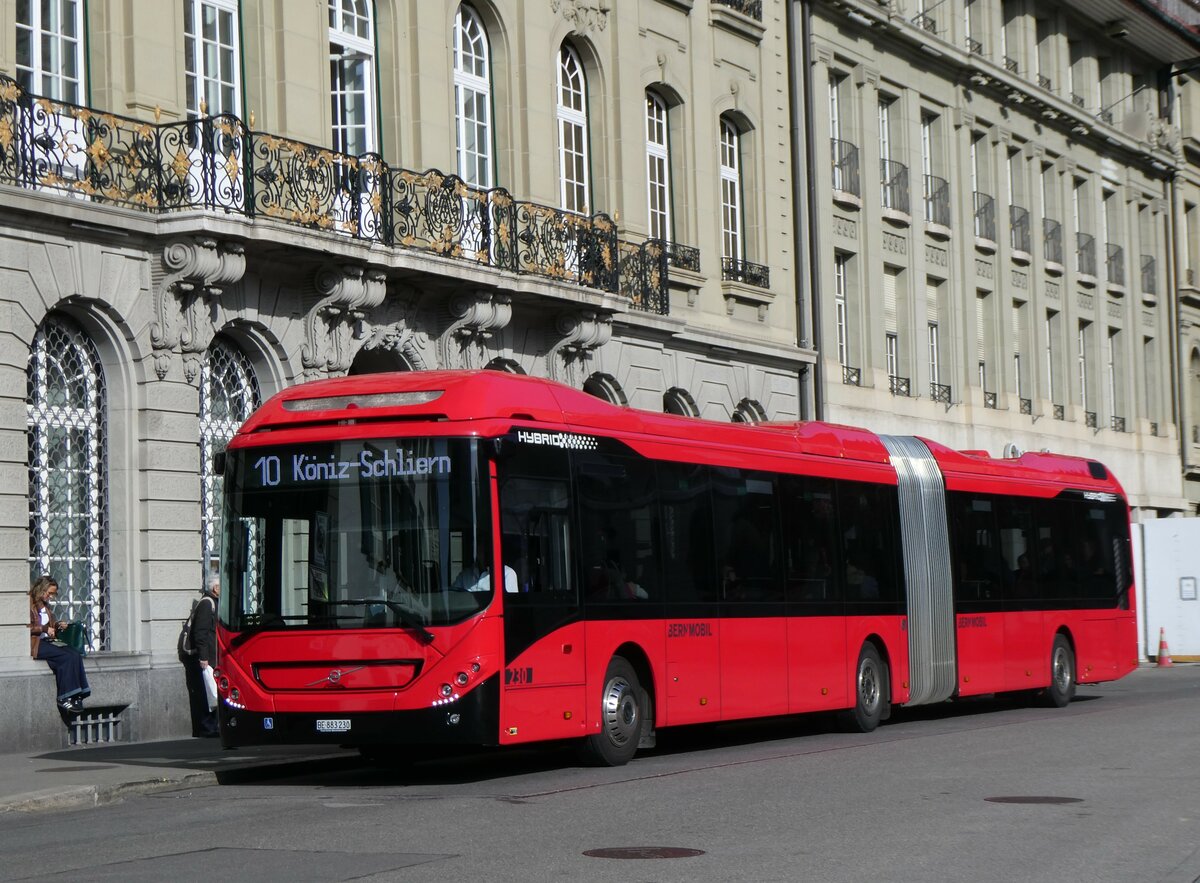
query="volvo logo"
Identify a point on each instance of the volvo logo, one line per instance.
(334, 677)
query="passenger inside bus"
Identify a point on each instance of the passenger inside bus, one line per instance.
(476, 577)
(607, 580)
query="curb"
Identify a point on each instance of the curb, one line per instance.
(81, 796)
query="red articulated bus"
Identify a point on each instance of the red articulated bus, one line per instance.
(481, 558)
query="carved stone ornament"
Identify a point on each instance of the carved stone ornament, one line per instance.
(196, 270)
(580, 333)
(348, 293)
(396, 331)
(475, 316)
(584, 15)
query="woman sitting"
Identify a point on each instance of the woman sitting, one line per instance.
(66, 662)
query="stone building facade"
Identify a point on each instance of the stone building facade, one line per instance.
(205, 201)
(995, 190)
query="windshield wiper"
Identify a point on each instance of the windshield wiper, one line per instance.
(403, 616)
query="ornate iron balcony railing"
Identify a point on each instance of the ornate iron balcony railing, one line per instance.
(1116, 264)
(851, 376)
(1149, 274)
(1045, 82)
(1105, 116)
(1153, 428)
(685, 257)
(751, 8)
(937, 200)
(985, 216)
(1052, 240)
(1060, 412)
(990, 400)
(845, 166)
(1089, 419)
(1085, 253)
(1078, 100)
(219, 164)
(1027, 406)
(894, 178)
(926, 22)
(1018, 218)
(1010, 65)
(940, 392)
(643, 274)
(734, 270)
(1196, 435)
(1117, 423)
(974, 46)
(899, 386)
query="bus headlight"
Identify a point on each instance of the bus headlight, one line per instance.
(447, 689)
(461, 679)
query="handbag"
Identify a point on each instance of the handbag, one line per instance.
(75, 637)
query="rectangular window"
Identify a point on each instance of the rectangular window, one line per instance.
(1051, 327)
(1083, 342)
(211, 61)
(50, 48)
(934, 358)
(731, 192)
(658, 169)
(840, 262)
(892, 354)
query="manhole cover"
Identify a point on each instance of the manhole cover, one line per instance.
(643, 852)
(1034, 799)
(79, 769)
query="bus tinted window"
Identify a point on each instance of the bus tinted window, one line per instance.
(535, 524)
(687, 532)
(867, 515)
(617, 531)
(746, 516)
(810, 538)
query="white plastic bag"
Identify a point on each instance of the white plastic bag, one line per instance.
(210, 686)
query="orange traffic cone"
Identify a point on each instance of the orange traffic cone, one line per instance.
(1164, 655)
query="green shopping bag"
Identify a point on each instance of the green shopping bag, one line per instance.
(74, 636)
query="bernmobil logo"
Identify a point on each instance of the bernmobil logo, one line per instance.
(566, 440)
(690, 630)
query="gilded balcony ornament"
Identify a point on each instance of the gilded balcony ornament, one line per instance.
(181, 165)
(9, 90)
(6, 134)
(231, 166)
(98, 152)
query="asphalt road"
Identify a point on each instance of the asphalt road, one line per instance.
(1107, 789)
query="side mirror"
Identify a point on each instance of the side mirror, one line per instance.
(218, 463)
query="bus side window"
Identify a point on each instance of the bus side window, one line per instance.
(746, 516)
(867, 523)
(618, 531)
(689, 564)
(810, 539)
(536, 546)
(977, 564)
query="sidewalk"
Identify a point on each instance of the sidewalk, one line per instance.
(95, 775)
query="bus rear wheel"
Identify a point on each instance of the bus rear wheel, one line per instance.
(622, 716)
(871, 692)
(1062, 673)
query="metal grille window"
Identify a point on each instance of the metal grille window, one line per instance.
(210, 40)
(352, 75)
(228, 396)
(68, 474)
(658, 168)
(572, 132)
(50, 48)
(731, 191)
(472, 98)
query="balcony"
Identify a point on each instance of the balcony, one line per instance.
(894, 180)
(1089, 419)
(937, 200)
(747, 272)
(218, 164)
(899, 386)
(1060, 412)
(926, 22)
(1045, 82)
(1027, 406)
(1085, 254)
(685, 257)
(1078, 100)
(940, 392)
(974, 46)
(991, 400)
(1149, 274)
(985, 217)
(1115, 264)
(1010, 65)
(1117, 423)
(1018, 219)
(845, 167)
(1052, 242)
(851, 376)
(749, 8)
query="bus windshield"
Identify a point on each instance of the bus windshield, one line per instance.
(379, 533)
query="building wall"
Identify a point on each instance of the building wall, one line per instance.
(1022, 92)
(300, 298)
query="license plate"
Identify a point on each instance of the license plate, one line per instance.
(339, 725)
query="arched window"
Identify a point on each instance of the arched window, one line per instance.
(749, 411)
(472, 98)
(658, 168)
(573, 159)
(605, 386)
(352, 76)
(212, 57)
(679, 401)
(732, 247)
(68, 474)
(228, 395)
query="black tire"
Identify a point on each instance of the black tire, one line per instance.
(1062, 673)
(622, 716)
(871, 693)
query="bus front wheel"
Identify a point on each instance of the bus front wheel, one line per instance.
(1062, 673)
(622, 716)
(871, 692)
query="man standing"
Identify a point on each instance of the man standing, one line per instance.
(200, 660)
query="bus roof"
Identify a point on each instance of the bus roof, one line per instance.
(479, 395)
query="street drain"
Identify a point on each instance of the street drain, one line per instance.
(1034, 799)
(643, 852)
